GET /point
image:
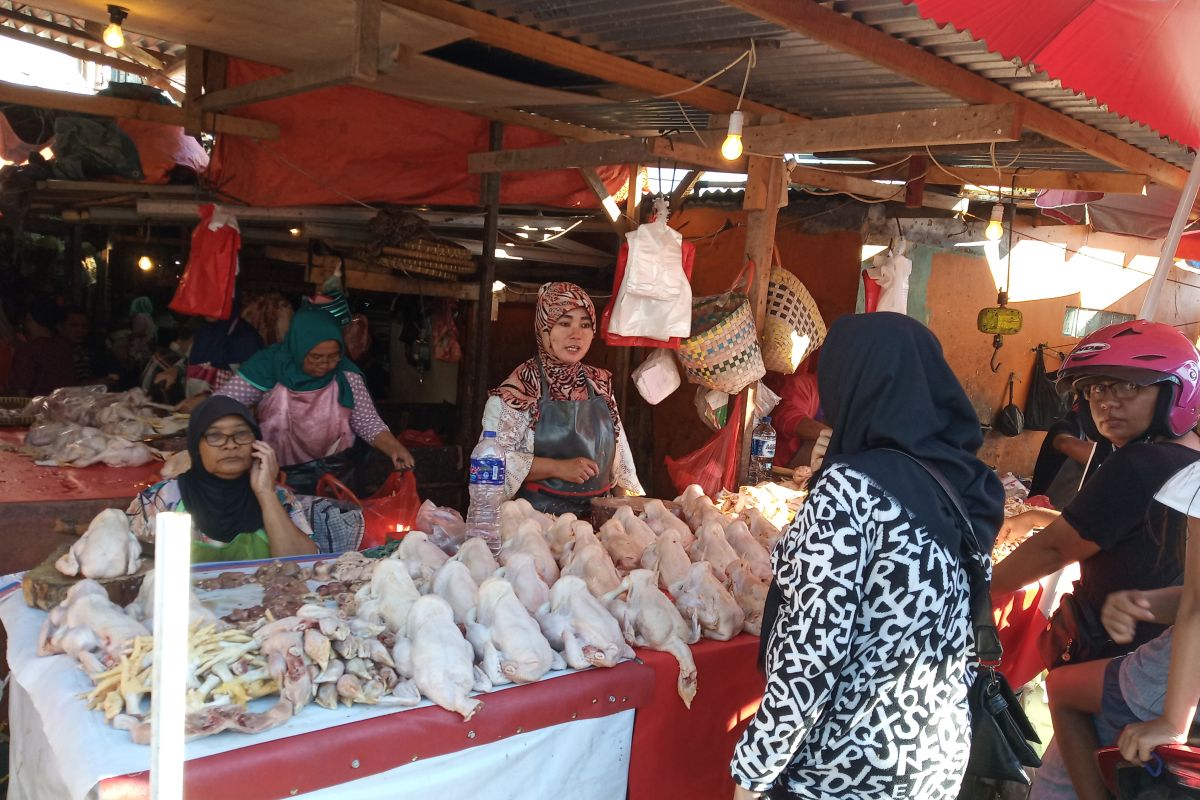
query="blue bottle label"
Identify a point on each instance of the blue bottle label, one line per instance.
(487, 471)
(762, 448)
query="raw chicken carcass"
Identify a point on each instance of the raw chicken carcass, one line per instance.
(423, 558)
(750, 592)
(108, 630)
(749, 549)
(108, 549)
(474, 553)
(625, 552)
(389, 597)
(637, 529)
(649, 619)
(660, 519)
(508, 642)
(521, 572)
(528, 539)
(581, 628)
(581, 536)
(592, 563)
(561, 534)
(701, 596)
(454, 584)
(142, 607)
(441, 661)
(762, 529)
(711, 546)
(668, 558)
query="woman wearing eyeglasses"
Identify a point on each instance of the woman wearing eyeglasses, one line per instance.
(238, 511)
(1140, 383)
(312, 402)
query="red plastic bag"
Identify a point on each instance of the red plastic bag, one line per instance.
(425, 438)
(689, 259)
(871, 290)
(714, 466)
(206, 289)
(388, 514)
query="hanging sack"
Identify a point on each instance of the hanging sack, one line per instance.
(1045, 405)
(1073, 634)
(723, 351)
(714, 466)
(657, 377)
(1009, 420)
(654, 300)
(388, 514)
(206, 288)
(794, 328)
(611, 337)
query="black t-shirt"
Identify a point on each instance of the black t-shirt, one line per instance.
(1140, 540)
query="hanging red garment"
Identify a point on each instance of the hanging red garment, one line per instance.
(206, 289)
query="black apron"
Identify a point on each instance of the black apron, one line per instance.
(570, 429)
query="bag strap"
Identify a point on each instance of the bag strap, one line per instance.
(742, 277)
(987, 640)
(1012, 376)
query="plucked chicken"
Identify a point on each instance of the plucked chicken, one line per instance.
(700, 596)
(107, 549)
(507, 640)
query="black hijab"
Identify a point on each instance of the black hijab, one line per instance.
(222, 508)
(884, 383)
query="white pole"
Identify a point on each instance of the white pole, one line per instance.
(168, 701)
(1167, 257)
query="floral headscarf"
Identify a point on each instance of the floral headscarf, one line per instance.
(522, 389)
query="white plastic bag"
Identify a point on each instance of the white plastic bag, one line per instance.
(713, 407)
(765, 400)
(655, 298)
(657, 377)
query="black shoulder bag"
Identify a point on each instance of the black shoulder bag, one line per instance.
(1000, 731)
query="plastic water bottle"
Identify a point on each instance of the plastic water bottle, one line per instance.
(487, 491)
(762, 451)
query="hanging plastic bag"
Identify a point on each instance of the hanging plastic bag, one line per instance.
(388, 514)
(445, 526)
(1045, 405)
(765, 400)
(654, 300)
(206, 288)
(657, 377)
(871, 290)
(713, 407)
(714, 466)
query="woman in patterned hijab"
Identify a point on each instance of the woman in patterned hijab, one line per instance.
(556, 418)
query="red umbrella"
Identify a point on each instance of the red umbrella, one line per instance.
(1138, 57)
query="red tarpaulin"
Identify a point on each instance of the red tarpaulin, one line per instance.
(344, 144)
(1138, 57)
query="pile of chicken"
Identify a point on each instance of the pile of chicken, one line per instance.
(81, 426)
(424, 624)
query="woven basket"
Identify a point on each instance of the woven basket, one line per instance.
(8, 416)
(794, 328)
(722, 352)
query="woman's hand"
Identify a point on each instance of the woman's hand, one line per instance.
(186, 406)
(264, 471)
(401, 457)
(577, 470)
(1122, 612)
(1138, 741)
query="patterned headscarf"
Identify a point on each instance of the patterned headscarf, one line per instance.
(523, 388)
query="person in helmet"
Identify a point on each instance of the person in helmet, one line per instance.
(1139, 383)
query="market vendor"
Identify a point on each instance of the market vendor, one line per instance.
(556, 418)
(312, 401)
(238, 511)
(797, 419)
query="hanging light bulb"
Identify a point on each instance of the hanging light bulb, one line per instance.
(145, 264)
(114, 36)
(731, 148)
(995, 226)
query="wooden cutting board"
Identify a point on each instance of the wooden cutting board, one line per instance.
(45, 587)
(605, 508)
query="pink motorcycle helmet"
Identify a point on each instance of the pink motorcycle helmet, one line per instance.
(1145, 353)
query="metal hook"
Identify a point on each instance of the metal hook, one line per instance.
(997, 343)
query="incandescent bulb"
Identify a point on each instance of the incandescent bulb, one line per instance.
(731, 148)
(995, 226)
(114, 37)
(145, 264)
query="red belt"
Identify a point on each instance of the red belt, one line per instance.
(533, 486)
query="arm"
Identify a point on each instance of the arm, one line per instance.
(367, 425)
(515, 437)
(285, 537)
(1123, 610)
(242, 390)
(624, 471)
(1047, 552)
(1074, 448)
(1018, 526)
(1138, 741)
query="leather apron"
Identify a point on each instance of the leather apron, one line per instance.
(570, 429)
(311, 434)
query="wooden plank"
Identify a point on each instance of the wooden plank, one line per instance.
(537, 122)
(49, 26)
(560, 52)
(1070, 180)
(369, 278)
(193, 114)
(970, 124)
(612, 212)
(276, 86)
(683, 187)
(364, 61)
(132, 109)
(914, 188)
(848, 35)
(693, 155)
(841, 182)
(595, 154)
(82, 54)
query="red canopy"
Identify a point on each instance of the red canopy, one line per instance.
(1138, 57)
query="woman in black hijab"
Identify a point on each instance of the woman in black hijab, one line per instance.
(867, 667)
(238, 511)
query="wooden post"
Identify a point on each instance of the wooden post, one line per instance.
(764, 193)
(193, 114)
(490, 191)
(623, 358)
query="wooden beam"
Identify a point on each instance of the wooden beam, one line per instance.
(596, 154)
(276, 86)
(560, 52)
(132, 109)
(851, 184)
(364, 59)
(848, 35)
(48, 25)
(537, 122)
(914, 187)
(78, 52)
(193, 83)
(998, 123)
(1107, 182)
(682, 188)
(612, 212)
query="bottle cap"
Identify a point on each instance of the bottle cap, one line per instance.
(489, 434)
(766, 420)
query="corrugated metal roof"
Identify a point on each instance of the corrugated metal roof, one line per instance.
(697, 38)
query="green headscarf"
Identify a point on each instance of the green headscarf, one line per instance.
(141, 305)
(284, 362)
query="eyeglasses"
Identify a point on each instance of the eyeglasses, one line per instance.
(218, 439)
(321, 360)
(1117, 390)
